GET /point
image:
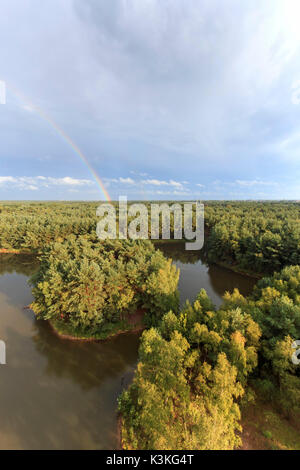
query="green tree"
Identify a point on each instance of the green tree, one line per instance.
(190, 378)
(91, 286)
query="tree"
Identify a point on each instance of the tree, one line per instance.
(191, 374)
(91, 286)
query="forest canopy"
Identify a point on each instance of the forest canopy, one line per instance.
(198, 365)
(191, 377)
(257, 237)
(201, 364)
(92, 287)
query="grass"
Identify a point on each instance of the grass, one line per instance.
(265, 428)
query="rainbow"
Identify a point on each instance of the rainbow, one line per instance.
(64, 136)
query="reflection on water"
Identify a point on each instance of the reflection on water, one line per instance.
(54, 393)
(196, 274)
(59, 394)
(23, 264)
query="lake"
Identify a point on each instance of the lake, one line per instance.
(61, 394)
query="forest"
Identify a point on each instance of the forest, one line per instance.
(91, 289)
(198, 365)
(216, 361)
(257, 237)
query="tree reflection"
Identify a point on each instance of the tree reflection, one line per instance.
(87, 363)
(177, 251)
(20, 264)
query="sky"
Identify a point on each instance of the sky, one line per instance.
(151, 99)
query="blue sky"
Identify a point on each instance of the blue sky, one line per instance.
(173, 99)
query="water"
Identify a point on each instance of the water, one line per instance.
(55, 394)
(196, 274)
(60, 394)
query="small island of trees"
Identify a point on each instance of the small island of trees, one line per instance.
(89, 288)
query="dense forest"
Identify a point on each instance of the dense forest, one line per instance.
(87, 288)
(192, 371)
(198, 366)
(201, 364)
(30, 227)
(257, 237)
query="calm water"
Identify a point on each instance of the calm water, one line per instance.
(59, 394)
(196, 274)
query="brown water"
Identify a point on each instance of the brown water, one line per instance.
(196, 274)
(59, 394)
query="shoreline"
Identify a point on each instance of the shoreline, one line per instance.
(237, 270)
(91, 339)
(222, 264)
(86, 339)
(11, 251)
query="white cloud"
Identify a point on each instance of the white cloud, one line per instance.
(7, 179)
(156, 182)
(34, 183)
(137, 173)
(150, 186)
(250, 183)
(143, 182)
(175, 193)
(126, 180)
(177, 184)
(119, 180)
(67, 180)
(162, 94)
(209, 79)
(159, 192)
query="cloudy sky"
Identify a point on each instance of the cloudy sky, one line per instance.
(172, 99)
